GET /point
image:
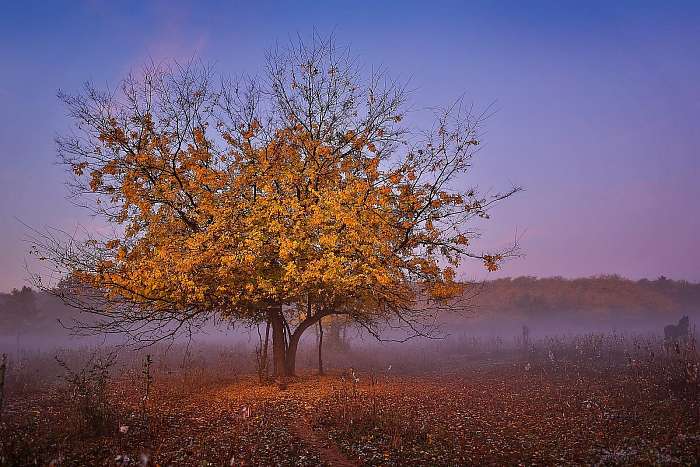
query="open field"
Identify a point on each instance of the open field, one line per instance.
(349, 234)
(601, 399)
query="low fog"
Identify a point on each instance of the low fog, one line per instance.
(500, 313)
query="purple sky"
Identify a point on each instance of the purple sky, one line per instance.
(598, 105)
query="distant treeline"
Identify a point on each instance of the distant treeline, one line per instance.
(601, 294)
(25, 311)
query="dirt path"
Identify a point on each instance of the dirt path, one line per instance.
(329, 452)
(297, 399)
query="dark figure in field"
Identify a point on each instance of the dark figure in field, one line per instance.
(677, 332)
(526, 337)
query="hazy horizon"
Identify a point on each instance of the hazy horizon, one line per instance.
(492, 278)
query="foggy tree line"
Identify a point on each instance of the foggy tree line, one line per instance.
(28, 311)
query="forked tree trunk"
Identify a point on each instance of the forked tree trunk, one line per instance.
(294, 342)
(284, 344)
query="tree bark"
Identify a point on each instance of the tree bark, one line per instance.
(292, 354)
(294, 341)
(284, 343)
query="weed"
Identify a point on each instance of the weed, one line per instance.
(88, 396)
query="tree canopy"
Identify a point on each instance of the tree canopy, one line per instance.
(284, 199)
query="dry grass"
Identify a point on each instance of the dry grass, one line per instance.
(590, 399)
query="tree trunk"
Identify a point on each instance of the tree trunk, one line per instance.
(265, 347)
(335, 336)
(279, 350)
(320, 347)
(292, 353)
(294, 342)
(285, 343)
(261, 354)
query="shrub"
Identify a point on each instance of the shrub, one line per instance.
(88, 394)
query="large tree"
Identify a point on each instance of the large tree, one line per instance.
(284, 199)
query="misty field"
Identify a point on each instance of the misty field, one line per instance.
(602, 399)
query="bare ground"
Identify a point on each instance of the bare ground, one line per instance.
(487, 415)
